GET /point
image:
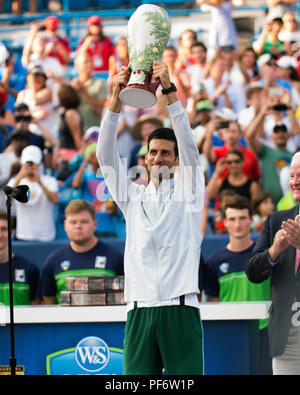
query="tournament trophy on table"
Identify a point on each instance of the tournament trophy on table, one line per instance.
(149, 30)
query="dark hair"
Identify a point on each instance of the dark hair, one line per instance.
(68, 96)
(248, 49)
(164, 134)
(261, 197)
(236, 152)
(238, 202)
(199, 44)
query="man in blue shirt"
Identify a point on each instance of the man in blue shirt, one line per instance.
(84, 256)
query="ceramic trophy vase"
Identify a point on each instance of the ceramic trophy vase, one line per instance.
(149, 30)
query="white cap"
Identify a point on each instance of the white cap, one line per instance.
(93, 130)
(287, 61)
(225, 113)
(4, 54)
(263, 59)
(288, 37)
(31, 153)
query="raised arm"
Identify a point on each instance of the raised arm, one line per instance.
(111, 166)
(190, 166)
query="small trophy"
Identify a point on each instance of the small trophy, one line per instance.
(149, 29)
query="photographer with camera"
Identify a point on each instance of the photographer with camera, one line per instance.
(35, 220)
(229, 131)
(272, 159)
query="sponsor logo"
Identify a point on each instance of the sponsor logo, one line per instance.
(20, 275)
(224, 267)
(90, 356)
(65, 265)
(100, 262)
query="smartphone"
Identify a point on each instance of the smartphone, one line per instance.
(223, 125)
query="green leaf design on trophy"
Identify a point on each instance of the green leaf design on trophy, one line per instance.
(161, 29)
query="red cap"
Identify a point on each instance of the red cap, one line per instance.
(94, 20)
(51, 23)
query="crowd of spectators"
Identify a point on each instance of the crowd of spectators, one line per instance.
(243, 106)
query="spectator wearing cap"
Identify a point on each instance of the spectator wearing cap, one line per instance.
(97, 45)
(287, 71)
(291, 45)
(35, 219)
(272, 159)
(38, 97)
(90, 137)
(141, 131)
(91, 90)
(56, 47)
(268, 41)
(267, 68)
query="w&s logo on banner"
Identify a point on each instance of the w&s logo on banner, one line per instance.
(91, 356)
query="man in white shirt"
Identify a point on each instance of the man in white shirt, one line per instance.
(35, 219)
(10, 162)
(162, 251)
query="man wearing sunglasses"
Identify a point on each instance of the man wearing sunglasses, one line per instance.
(38, 135)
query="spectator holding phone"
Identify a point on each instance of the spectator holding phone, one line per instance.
(268, 41)
(272, 159)
(35, 219)
(231, 134)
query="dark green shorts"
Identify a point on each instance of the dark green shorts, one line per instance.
(168, 337)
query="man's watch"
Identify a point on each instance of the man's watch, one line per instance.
(169, 90)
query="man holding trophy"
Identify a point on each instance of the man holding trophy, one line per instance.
(162, 251)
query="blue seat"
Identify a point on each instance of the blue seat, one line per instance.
(105, 224)
(107, 4)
